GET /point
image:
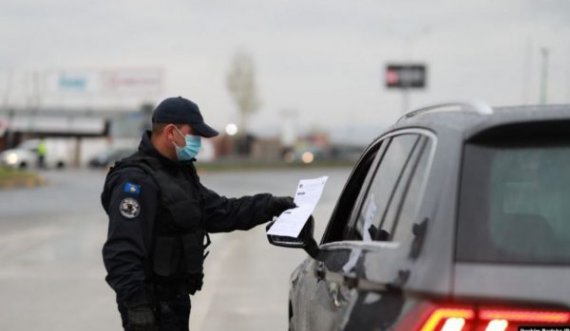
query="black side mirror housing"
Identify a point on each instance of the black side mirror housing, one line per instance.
(305, 240)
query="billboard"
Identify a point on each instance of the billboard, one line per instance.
(105, 82)
(131, 81)
(404, 76)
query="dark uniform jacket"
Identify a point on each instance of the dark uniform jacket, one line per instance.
(152, 239)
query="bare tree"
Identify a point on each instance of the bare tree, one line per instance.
(240, 81)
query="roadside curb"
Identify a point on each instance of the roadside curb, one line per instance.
(22, 182)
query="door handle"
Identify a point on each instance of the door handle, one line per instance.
(320, 270)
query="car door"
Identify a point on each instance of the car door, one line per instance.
(311, 306)
(384, 263)
(328, 290)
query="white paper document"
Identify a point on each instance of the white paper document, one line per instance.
(291, 222)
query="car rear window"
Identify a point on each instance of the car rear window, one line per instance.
(514, 203)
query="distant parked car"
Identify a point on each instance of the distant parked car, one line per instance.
(25, 155)
(456, 218)
(108, 157)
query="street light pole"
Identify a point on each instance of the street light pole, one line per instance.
(544, 76)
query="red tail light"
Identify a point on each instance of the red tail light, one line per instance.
(430, 317)
(452, 319)
(525, 316)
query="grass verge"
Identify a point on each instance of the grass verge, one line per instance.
(11, 178)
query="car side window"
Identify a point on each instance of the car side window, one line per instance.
(371, 220)
(407, 214)
(348, 199)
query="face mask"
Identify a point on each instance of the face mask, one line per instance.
(188, 152)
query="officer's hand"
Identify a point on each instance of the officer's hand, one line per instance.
(141, 318)
(277, 205)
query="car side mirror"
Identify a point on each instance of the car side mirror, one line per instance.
(305, 240)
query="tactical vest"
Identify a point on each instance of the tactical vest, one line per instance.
(179, 241)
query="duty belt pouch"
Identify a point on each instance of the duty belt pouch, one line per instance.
(193, 260)
(193, 253)
(166, 259)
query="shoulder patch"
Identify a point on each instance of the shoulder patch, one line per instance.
(132, 188)
(129, 208)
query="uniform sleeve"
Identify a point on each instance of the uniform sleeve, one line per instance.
(131, 209)
(228, 214)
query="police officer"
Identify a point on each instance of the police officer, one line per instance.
(160, 216)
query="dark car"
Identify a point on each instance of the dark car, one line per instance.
(456, 218)
(108, 157)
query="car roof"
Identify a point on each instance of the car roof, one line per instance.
(465, 122)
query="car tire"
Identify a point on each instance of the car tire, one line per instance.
(23, 165)
(60, 165)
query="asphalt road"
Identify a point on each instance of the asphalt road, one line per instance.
(52, 275)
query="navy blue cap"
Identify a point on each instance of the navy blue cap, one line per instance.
(178, 110)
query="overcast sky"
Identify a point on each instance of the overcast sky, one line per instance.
(323, 59)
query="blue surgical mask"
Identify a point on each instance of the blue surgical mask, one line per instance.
(192, 148)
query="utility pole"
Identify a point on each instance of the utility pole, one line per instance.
(527, 67)
(288, 133)
(8, 91)
(6, 108)
(544, 76)
(35, 102)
